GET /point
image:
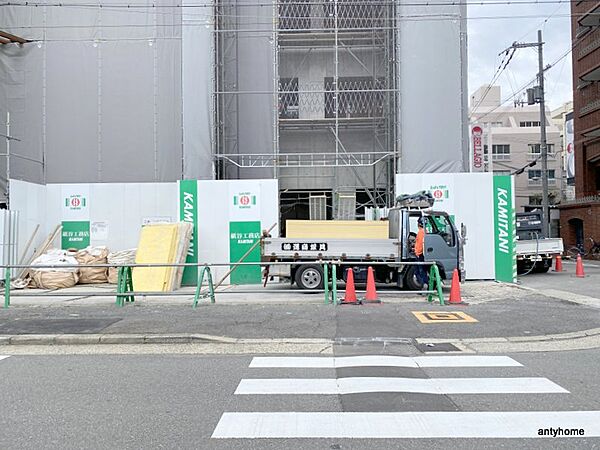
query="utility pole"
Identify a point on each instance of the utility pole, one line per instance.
(543, 143)
(536, 95)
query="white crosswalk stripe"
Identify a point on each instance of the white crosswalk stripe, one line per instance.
(398, 425)
(383, 422)
(358, 385)
(383, 361)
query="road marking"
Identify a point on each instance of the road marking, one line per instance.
(361, 385)
(4, 357)
(382, 361)
(443, 317)
(398, 425)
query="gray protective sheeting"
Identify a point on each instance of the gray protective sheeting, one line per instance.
(433, 95)
(198, 84)
(98, 96)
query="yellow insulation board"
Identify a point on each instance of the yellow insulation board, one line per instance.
(158, 244)
(341, 229)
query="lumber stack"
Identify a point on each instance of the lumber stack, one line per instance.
(161, 244)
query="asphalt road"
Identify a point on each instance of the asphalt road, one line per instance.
(190, 401)
(566, 280)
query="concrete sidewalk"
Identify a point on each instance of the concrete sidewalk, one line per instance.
(277, 319)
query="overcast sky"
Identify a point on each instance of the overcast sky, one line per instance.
(490, 36)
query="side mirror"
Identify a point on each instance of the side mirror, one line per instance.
(463, 231)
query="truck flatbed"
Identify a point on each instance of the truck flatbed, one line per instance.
(328, 248)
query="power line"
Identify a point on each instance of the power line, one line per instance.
(184, 23)
(525, 86)
(429, 4)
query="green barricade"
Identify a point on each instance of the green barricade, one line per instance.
(124, 284)
(333, 289)
(435, 284)
(211, 290)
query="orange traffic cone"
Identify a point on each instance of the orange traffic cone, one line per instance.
(558, 264)
(350, 294)
(371, 295)
(579, 268)
(455, 298)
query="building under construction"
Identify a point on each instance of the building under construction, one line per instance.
(331, 97)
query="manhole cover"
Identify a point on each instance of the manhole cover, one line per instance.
(442, 347)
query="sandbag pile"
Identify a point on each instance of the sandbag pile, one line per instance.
(55, 278)
(119, 258)
(92, 256)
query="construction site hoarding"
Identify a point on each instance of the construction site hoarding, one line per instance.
(485, 204)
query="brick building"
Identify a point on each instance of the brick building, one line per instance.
(580, 218)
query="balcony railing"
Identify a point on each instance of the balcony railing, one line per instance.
(501, 157)
(538, 181)
(532, 156)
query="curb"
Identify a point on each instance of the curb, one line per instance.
(578, 340)
(136, 339)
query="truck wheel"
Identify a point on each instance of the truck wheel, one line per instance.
(410, 279)
(309, 277)
(542, 266)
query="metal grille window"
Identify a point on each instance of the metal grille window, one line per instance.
(354, 15)
(289, 101)
(358, 97)
(501, 151)
(294, 14)
(529, 123)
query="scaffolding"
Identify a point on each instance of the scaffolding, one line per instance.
(327, 117)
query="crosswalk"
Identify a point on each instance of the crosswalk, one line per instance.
(401, 424)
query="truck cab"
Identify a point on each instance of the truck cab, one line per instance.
(442, 241)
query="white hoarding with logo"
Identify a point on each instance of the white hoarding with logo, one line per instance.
(229, 217)
(469, 199)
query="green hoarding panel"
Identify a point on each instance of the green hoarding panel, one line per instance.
(504, 230)
(75, 235)
(242, 236)
(188, 212)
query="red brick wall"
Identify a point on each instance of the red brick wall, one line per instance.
(590, 214)
(584, 59)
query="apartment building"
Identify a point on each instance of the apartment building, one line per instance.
(513, 142)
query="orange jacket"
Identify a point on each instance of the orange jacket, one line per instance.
(420, 242)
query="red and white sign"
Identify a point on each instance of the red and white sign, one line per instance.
(477, 146)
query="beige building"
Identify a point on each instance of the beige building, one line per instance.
(513, 131)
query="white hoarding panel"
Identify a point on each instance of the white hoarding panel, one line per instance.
(467, 198)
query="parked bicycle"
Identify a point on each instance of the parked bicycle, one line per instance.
(593, 252)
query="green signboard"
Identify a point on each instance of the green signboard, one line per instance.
(188, 212)
(242, 236)
(75, 235)
(504, 230)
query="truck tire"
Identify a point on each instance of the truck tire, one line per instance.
(309, 277)
(542, 266)
(410, 279)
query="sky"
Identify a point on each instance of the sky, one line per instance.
(493, 28)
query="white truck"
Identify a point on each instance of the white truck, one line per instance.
(443, 245)
(534, 253)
